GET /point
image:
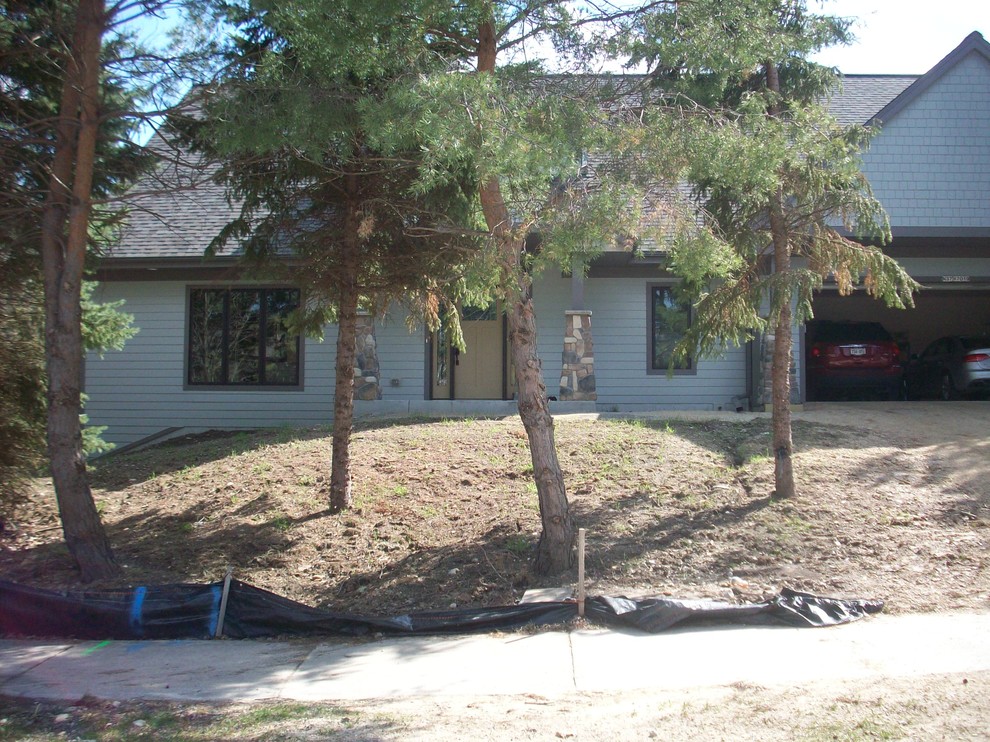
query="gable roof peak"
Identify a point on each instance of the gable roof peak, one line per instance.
(974, 42)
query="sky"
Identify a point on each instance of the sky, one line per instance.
(892, 36)
(902, 36)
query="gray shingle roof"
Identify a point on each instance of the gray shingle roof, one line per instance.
(861, 97)
(179, 223)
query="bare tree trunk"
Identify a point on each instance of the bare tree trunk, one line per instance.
(554, 553)
(65, 224)
(343, 396)
(783, 445)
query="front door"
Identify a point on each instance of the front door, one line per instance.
(478, 371)
(478, 368)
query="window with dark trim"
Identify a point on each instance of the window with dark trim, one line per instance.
(669, 320)
(240, 337)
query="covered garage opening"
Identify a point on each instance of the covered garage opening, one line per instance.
(941, 309)
(959, 309)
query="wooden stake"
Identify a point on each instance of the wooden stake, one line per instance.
(223, 602)
(581, 573)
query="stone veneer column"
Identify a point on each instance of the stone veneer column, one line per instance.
(366, 371)
(577, 376)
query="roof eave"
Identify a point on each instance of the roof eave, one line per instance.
(226, 268)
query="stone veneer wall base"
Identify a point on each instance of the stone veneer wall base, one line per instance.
(367, 374)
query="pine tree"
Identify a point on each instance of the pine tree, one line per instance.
(522, 137)
(292, 128)
(63, 145)
(778, 178)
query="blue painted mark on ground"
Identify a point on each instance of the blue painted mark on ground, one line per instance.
(215, 612)
(136, 606)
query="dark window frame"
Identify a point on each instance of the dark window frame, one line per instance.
(651, 370)
(258, 386)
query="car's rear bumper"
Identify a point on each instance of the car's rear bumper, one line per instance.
(888, 381)
(848, 377)
(977, 381)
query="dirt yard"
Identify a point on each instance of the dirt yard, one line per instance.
(893, 503)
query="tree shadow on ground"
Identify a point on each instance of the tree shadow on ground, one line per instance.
(495, 569)
(491, 568)
(740, 441)
(665, 532)
(968, 510)
(488, 571)
(191, 538)
(951, 474)
(118, 470)
(157, 547)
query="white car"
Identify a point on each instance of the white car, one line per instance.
(950, 367)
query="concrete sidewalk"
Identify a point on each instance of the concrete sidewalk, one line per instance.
(548, 663)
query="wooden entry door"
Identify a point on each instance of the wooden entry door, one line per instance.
(479, 367)
(477, 372)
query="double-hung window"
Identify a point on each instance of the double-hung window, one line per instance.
(669, 320)
(240, 337)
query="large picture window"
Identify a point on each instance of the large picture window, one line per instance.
(240, 337)
(669, 320)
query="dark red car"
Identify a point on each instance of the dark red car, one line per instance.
(847, 358)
